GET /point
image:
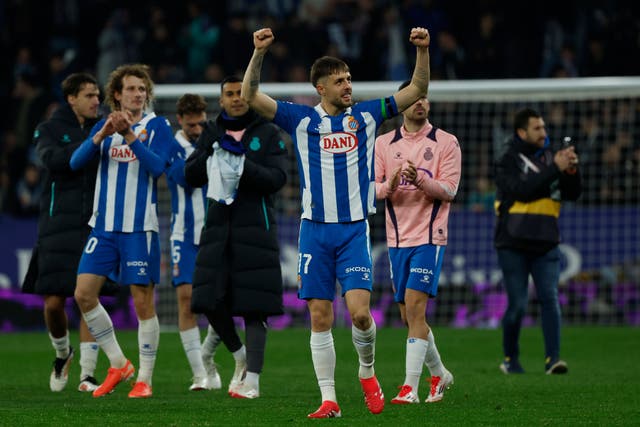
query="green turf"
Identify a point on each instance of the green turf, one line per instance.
(601, 389)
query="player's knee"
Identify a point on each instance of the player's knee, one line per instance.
(85, 300)
(53, 304)
(321, 321)
(361, 319)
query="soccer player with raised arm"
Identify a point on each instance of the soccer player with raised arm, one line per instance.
(334, 145)
(188, 206)
(134, 147)
(418, 170)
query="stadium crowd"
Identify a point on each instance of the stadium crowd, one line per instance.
(200, 42)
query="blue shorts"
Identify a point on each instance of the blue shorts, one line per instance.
(416, 268)
(330, 251)
(183, 259)
(136, 256)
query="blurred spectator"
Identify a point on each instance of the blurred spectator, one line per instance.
(482, 196)
(159, 49)
(117, 44)
(397, 63)
(235, 48)
(200, 37)
(24, 62)
(61, 64)
(30, 104)
(29, 190)
(485, 57)
(449, 62)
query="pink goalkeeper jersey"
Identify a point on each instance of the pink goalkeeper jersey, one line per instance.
(417, 214)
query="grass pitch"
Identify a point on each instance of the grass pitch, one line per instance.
(602, 387)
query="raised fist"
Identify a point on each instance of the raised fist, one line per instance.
(263, 38)
(420, 37)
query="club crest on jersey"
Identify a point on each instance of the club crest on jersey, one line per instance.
(352, 123)
(338, 142)
(122, 153)
(142, 136)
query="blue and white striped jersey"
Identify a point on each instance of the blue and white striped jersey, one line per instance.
(125, 197)
(188, 204)
(335, 157)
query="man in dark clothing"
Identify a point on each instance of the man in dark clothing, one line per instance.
(243, 159)
(65, 208)
(532, 179)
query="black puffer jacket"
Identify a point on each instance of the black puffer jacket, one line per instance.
(65, 208)
(530, 189)
(238, 262)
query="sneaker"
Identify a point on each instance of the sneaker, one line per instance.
(405, 396)
(238, 377)
(213, 381)
(373, 396)
(555, 366)
(509, 366)
(88, 383)
(140, 390)
(213, 377)
(114, 377)
(438, 386)
(60, 373)
(245, 392)
(328, 409)
(199, 383)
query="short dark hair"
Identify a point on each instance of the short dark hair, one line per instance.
(190, 103)
(521, 118)
(229, 79)
(325, 66)
(74, 83)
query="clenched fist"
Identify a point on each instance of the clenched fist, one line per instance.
(420, 37)
(263, 38)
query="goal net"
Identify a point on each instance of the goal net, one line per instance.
(600, 279)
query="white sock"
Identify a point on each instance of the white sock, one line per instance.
(191, 344)
(432, 359)
(323, 355)
(365, 344)
(252, 380)
(240, 356)
(61, 345)
(101, 328)
(210, 343)
(88, 358)
(148, 339)
(416, 353)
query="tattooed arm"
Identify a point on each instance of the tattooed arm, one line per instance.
(421, 73)
(261, 103)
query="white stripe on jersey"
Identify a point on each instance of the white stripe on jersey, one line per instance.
(150, 215)
(303, 149)
(197, 200)
(371, 136)
(328, 175)
(110, 208)
(193, 204)
(177, 232)
(130, 197)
